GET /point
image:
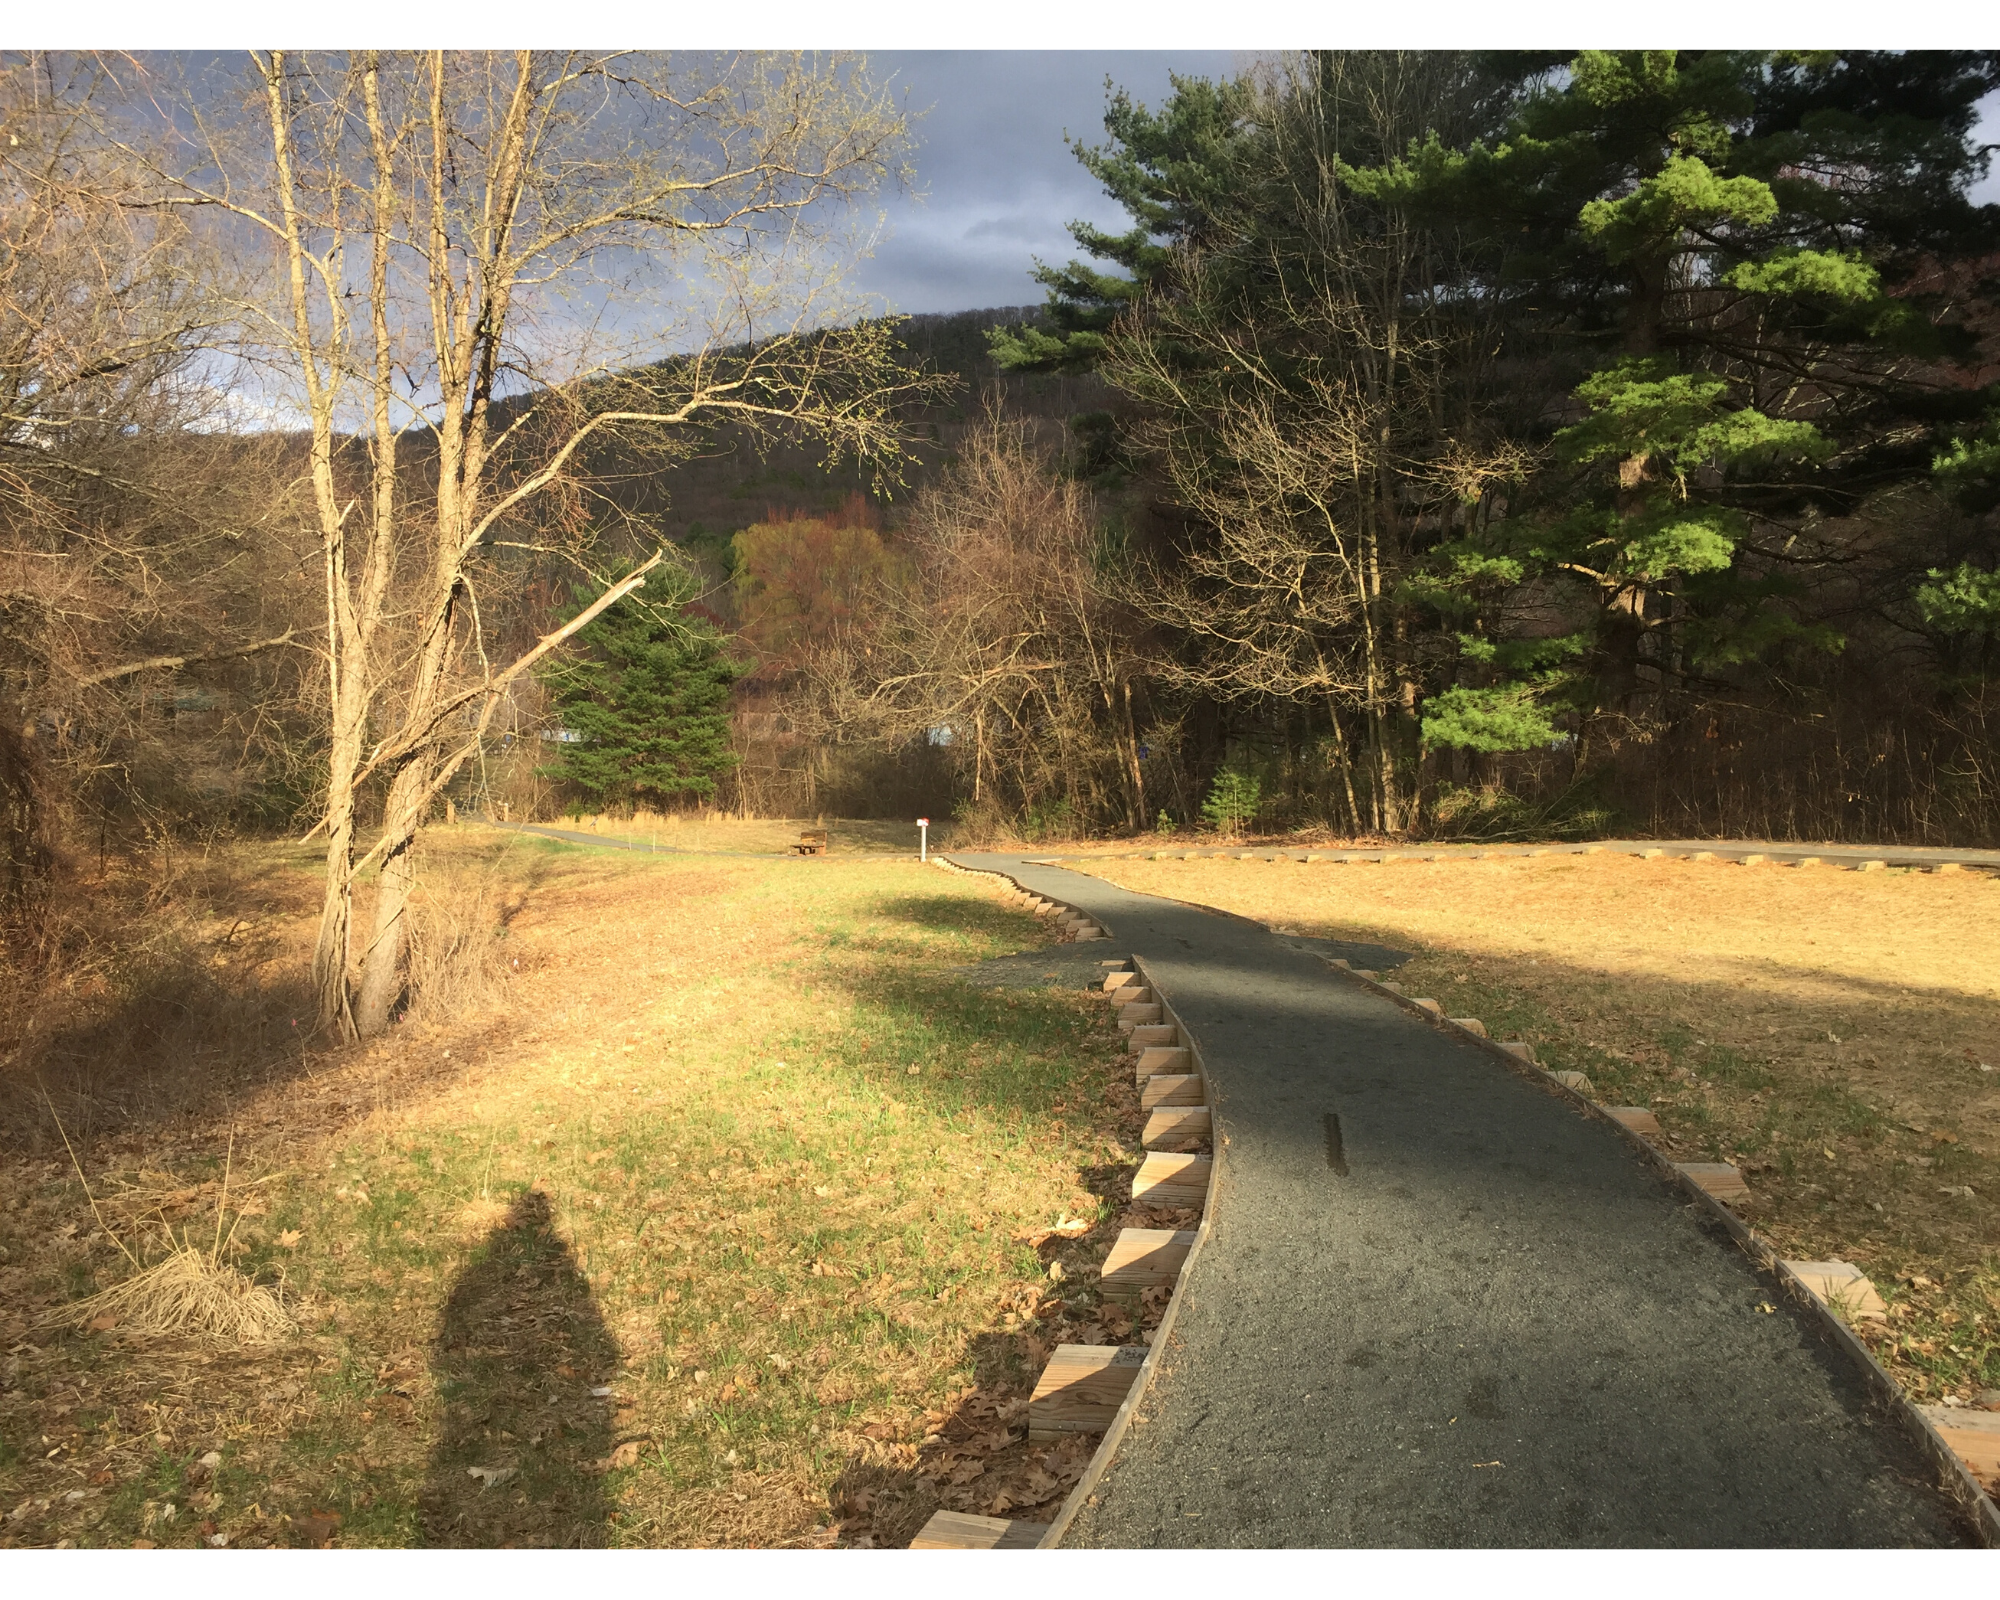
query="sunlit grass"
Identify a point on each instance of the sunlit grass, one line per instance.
(749, 1161)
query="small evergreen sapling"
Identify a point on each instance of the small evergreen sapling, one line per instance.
(647, 690)
(1233, 799)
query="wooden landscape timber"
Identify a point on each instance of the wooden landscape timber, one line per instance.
(1144, 1258)
(1171, 1089)
(961, 1530)
(1082, 1388)
(1717, 1179)
(1090, 1389)
(1170, 1127)
(1841, 1285)
(1173, 1179)
(1966, 1442)
(1974, 1437)
(1162, 1058)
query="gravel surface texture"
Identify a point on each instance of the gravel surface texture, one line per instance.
(1497, 1327)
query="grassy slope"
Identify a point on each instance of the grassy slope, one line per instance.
(741, 1195)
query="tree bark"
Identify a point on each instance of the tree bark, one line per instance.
(1132, 757)
(382, 962)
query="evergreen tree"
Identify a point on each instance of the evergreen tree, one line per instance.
(1739, 237)
(647, 695)
(1173, 170)
(1644, 426)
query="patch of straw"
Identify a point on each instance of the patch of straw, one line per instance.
(454, 925)
(189, 1292)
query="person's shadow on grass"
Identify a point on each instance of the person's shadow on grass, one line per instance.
(521, 1345)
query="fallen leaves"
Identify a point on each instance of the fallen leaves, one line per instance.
(318, 1528)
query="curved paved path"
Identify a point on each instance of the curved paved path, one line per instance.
(1500, 1328)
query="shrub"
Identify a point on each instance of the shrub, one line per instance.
(1233, 799)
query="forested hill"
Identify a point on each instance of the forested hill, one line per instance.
(705, 500)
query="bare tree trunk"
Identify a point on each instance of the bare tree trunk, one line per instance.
(1132, 760)
(382, 963)
(1346, 762)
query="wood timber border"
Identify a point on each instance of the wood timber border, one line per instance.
(1114, 1436)
(1121, 1421)
(1955, 1478)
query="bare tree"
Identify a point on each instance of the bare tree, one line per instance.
(135, 548)
(1004, 633)
(1301, 373)
(476, 259)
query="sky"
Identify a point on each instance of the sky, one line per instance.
(998, 183)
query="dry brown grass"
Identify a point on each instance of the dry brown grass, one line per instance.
(734, 1191)
(191, 1292)
(171, 985)
(458, 919)
(1834, 1033)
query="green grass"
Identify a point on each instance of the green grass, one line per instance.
(748, 1155)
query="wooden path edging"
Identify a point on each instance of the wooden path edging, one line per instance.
(952, 1530)
(1114, 1436)
(1843, 858)
(1077, 925)
(1955, 1477)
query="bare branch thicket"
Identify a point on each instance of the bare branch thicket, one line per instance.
(136, 556)
(1003, 638)
(1303, 380)
(490, 274)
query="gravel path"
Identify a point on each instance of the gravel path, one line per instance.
(1498, 1328)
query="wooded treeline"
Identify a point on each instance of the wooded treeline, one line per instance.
(1481, 446)
(1547, 441)
(1453, 445)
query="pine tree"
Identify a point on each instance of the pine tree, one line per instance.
(1233, 800)
(647, 697)
(1172, 169)
(1733, 243)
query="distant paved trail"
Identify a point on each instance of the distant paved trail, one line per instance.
(1833, 855)
(1500, 1328)
(645, 847)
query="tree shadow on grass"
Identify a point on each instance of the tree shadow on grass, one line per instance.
(519, 1349)
(948, 913)
(175, 1026)
(1017, 1049)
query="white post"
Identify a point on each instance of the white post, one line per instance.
(923, 839)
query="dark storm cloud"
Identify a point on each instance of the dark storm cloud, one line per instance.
(999, 184)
